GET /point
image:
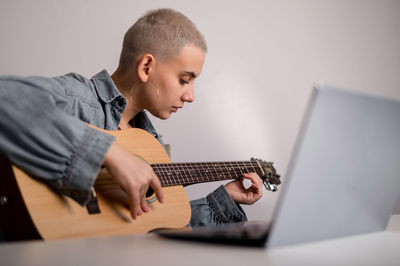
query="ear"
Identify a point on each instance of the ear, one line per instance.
(145, 67)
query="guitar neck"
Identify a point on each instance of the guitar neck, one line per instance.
(173, 174)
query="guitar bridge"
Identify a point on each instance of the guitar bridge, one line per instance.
(93, 204)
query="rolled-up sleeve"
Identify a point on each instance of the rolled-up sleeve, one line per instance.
(43, 140)
(216, 209)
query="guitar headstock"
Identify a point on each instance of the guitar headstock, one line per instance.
(270, 177)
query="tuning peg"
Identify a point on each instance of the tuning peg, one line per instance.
(270, 187)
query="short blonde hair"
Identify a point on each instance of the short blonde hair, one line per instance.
(162, 33)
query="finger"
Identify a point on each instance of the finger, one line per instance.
(144, 206)
(135, 202)
(156, 186)
(142, 196)
(256, 185)
(254, 178)
(256, 189)
(240, 182)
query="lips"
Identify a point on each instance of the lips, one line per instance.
(175, 108)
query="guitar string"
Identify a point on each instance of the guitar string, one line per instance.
(177, 181)
(171, 172)
(169, 169)
(250, 164)
(187, 169)
(191, 169)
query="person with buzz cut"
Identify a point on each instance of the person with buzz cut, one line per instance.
(44, 121)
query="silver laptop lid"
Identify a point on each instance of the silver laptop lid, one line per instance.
(344, 174)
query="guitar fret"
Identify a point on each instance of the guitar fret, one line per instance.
(214, 177)
(186, 172)
(174, 173)
(196, 176)
(171, 176)
(239, 168)
(178, 175)
(205, 172)
(237, 175)
(211, 171)
(197, 172)
(215, 165)
(168, 174)
(183, 172)
(246, 166)
(230, 171)
(226, 171)
(201, 172)
(189, 172)
(160, 173)
(257, 168)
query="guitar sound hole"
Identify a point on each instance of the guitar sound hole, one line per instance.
(149, 192)
(150, 196)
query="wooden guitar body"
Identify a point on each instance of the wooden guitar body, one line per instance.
(58, 217)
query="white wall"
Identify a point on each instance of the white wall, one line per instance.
(263, 57)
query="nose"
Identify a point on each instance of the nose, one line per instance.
(188, 96)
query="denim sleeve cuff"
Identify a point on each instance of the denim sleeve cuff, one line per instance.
(85, 164)
(225, 209)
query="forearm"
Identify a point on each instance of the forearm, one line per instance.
(46, 142)
(217, 208)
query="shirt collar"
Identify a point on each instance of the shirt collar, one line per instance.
(105, 87)
(108, 92)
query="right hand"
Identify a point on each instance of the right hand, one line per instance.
(134, 176)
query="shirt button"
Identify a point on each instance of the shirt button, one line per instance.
(121, 102)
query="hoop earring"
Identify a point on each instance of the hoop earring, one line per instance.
(157, 90)
(131, 99)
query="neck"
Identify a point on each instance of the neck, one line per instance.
(127, 84)
(172, 174)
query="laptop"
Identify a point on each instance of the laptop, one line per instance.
(343, 177)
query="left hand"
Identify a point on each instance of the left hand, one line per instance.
(242, 195)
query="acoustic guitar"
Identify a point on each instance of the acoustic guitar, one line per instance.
(30, 209)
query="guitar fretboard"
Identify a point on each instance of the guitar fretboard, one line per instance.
(172, 174)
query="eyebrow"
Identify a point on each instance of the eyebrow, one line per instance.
(189, 73)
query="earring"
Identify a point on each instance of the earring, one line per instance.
(131, 94)
(157, 90)
(131, 100)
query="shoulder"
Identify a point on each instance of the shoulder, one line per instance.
(74, 81)
(14, 84)
(78, 86)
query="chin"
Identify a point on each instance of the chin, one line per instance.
(164, 117)
(161, 115)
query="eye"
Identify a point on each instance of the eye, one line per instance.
(183, 82)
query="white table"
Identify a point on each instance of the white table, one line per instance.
(381, 248)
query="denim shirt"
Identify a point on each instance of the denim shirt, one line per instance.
(43, 131)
